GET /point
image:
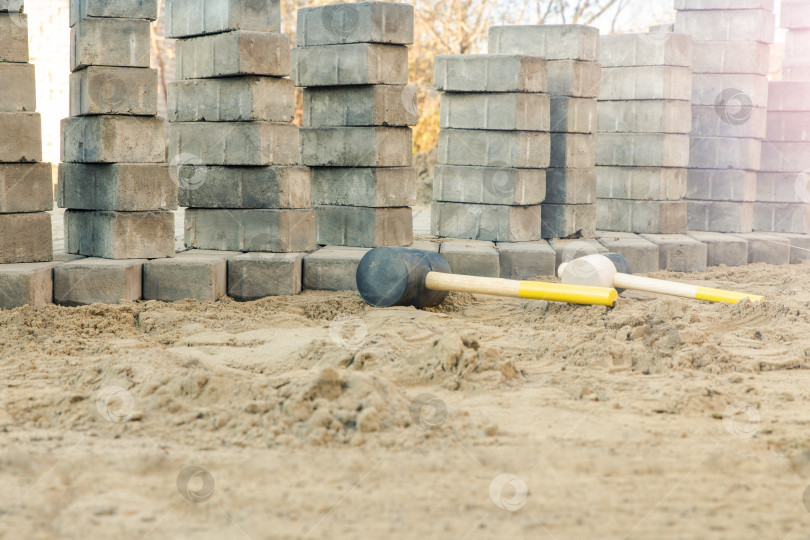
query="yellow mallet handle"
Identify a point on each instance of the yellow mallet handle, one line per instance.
(683, 290)
(534, 290)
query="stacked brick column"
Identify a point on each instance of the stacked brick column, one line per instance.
(236, 150)
(783, 186)
(644, 124)
(572, 52)
(729, 96)
(352, 60)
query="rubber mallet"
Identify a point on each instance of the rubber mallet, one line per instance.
(613, 270)
(389, 276)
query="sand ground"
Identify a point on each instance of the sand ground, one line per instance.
(320, 417)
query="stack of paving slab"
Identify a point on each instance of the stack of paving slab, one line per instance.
(729, 97)
(352, 61)
(26, 190)
(574, 75)
(236, 155)
(643, 140)
(113, 179)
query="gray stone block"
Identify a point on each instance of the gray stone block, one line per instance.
(571, 186)
(234, 143)
(472, 257)
(125, 187)
(26, 144)
(783, 187)
(724, 153)
(795, 72)
(721, 248)
(119, 235)
(574, 78)
(795, 14)
(25, 187)
(18, 92)
(641, 183)
(520, 149)
(25, 238)
(788, 96)
(364, 227)
(427, 245)
(191, 275)
(573, 115)
(243, 187)
(489, 73)
(186, 18)
(785, 156)
(356, 147)
(733, 91)
(788, 126)
(642, 149)
(731, 57)
(233, 53)
(378, 105)
(362, 22)
(727, 25)
(764, 248)
(253, 276)
(13, 37)
(349, 65)
(652, 217)
(232, 99)
(113, 139)
(489, 185)
(526, 260)
(678, 252)
(653, 49)
(551, 41)
(647, 82)
(359, 186)
(567, 249)
(782, 217)
(642, 254)
(26, 284)
(494, 223)
(573, 150)
(719, 216)
(274, 231)
(692, 5)
(117, 9)
(565, 220)
(665, 28)
(521, 112)
(729, 121)
(651, 116)
(799, 245)
(90, 281)
(113, 90)
(110, 42)
(797, 44)
(333, 268)
(721, 185)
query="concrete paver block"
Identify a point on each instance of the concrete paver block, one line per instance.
(274, 231)
(13, 37)
(720, 216)
(192, 275)
(26, 144)
(117, 9)
(782, 217)
(571, 186)
(573, 115)
(789, 96)
(651, 116)
(785, 156)
(642, 254)
(574, 78)
(646, 82)
(377, 105)
(113, 139)
(692, 5)
(678, 252)
(729, 121)
(652, 217)
(730, 90)
(472, 257)
(92, 280)
(359, 186)
(504, 111)
(25, 238)
(526, 260)
(26, 284)
(795, 14)
(797, 43)
(253, 276)
(119, 235)
(25, 187)
(573, 150)
(721, 185)
(233, 53)
(643, 149)
(565, 220)
(551, 41)
(489, 185)
(520, 149)
(18, 91)
(641, 183)
(110, 42)
(493, 223)
(788, 126)
(657, 49)
(725, 153)
(783, 187)
(333, 268)
(721, 248)
(186, 18)
(366, 22)
(489, 73)
(763, 248)
(124, 187)
(232, 99)
(243, 187)
(356, 147)
(727, 25)
(731, 57)
(795, 72)
(113, 90)
(234, 143)
(364, 227)
(348, 65)
(799, 245)
(567, 250)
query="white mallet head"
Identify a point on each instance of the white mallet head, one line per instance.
(596, 270)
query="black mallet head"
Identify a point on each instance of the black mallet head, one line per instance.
(395, 276)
